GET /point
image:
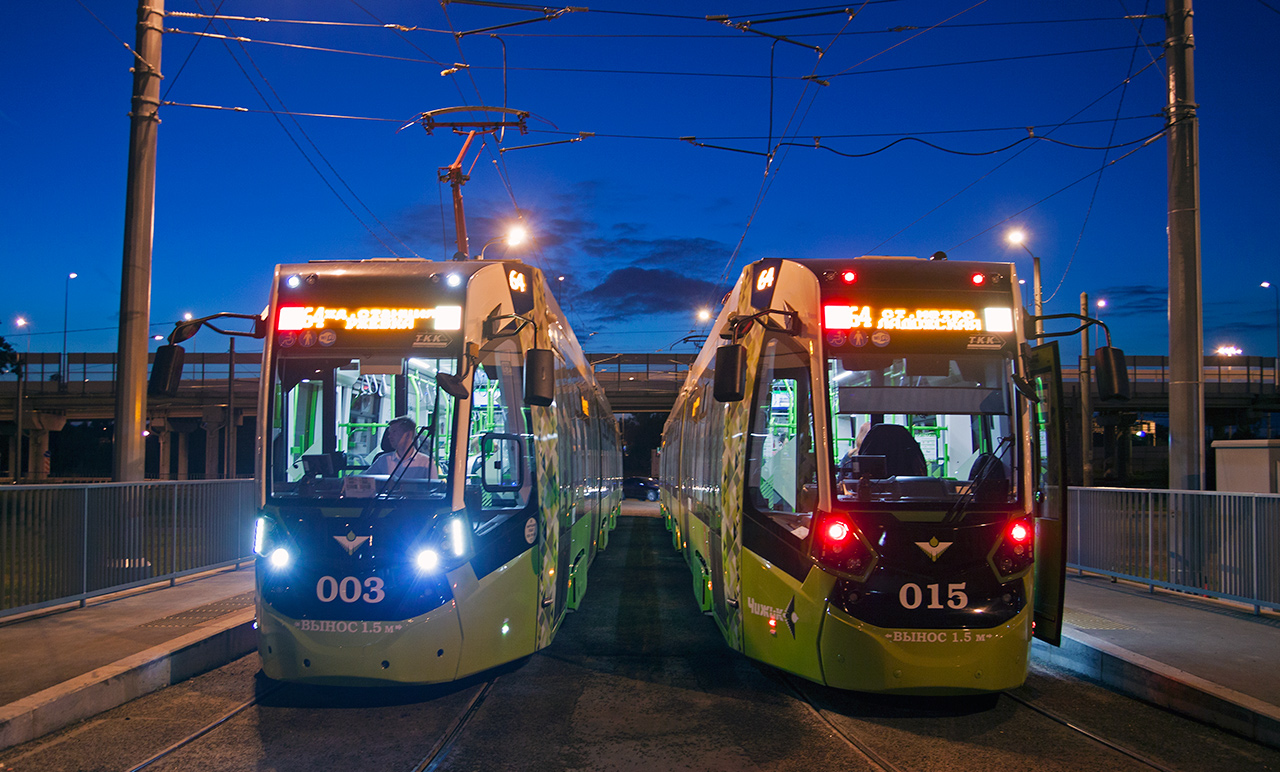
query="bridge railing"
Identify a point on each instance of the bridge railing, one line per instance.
(66, 543)
(1217, 544)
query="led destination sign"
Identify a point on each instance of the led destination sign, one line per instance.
(923, 319)
(298, 318)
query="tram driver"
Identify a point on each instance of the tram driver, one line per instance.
(397, 443)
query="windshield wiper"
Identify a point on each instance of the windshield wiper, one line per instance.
(402, 465)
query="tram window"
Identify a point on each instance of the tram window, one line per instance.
(338, 408)
(954, 412)
(782, 468)
(497, 409)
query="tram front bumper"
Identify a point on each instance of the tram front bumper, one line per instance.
(863, 657)
(424, 649)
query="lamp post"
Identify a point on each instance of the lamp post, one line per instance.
(1097, 335)
(1276, 289)
(515, 236)
(63, 364)
(1019, 238)
(22, 381)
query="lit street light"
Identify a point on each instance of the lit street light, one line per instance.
(516, 235)
(704, 315)
(1019, 238)
(1101, 304)
(1229, 351)
(1276, 288)
(63, 364)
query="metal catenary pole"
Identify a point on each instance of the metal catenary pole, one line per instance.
(1186, 325)
(129, 459)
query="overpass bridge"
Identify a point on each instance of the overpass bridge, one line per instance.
(220, 390)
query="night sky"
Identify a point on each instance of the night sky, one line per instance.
(645, 227)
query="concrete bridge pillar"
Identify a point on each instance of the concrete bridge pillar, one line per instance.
(215, 419)
(39, 458)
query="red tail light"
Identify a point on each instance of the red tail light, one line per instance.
(1015, 551)
(839, 546)
(978, 279)
(848, 277)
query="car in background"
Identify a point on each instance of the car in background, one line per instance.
(640, 488)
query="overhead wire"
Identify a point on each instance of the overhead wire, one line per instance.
(317, 150)
(1002, 164)
(174, 80)
(1097, 183)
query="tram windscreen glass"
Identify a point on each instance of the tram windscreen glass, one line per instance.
(359, 426)
(923, 427)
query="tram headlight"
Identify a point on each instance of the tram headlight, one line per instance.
(427, 560)
(838, 546)
(1014, 551)
(272, 542)
(447, 547)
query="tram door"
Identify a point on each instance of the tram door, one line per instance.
(1049, 467)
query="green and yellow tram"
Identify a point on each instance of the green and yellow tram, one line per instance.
(864, 473)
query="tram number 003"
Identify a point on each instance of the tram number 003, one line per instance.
(911, 595)
(350, 589)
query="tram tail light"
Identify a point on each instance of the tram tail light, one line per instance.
(840, 547)
(1015, 551)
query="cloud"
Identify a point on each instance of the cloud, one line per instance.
(1132, 300)
(635, 291)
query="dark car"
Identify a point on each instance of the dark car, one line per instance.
(640, 488)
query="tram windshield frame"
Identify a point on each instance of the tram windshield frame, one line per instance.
(330, 413)
(924, 428)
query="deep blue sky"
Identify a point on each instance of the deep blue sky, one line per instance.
(644, 227)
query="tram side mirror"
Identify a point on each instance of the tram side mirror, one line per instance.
(501, 465)
(539, 377)
(1113, 375)
(453, 385)
(731, 373)
(166, 371)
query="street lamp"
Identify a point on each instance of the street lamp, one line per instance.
(1101, 304)
(17, 408)
(1019, 238)
(1276, 288)
(704, 315)
(62, 362)
(515, 236)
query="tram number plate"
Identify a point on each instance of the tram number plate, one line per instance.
(912, 596)
(350, 589)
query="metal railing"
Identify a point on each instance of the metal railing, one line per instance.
(1222, 545)
(66, 543)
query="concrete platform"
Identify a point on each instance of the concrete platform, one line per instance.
(1210, 660)
(1213, 661)
(60, 667)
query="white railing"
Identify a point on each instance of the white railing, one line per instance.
(1225, 545)
(66, 543)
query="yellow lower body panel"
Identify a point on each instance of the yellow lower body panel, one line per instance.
(425, 649)
(859, 656)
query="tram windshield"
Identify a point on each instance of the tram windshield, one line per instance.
(923, 427)
(359, 426)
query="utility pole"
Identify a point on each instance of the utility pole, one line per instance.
(1086, 409)
(1186, 323)
(129, 460)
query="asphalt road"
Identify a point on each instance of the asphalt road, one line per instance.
(635, 680)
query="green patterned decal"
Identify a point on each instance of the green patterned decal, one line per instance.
(737, 416)
(546, 430)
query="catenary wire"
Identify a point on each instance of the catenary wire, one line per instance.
(1097, 183)
(292, 139)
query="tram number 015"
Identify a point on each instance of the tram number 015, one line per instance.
(350, 589)
(911, 595)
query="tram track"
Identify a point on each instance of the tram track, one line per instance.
(438, 753)
(879, 761)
